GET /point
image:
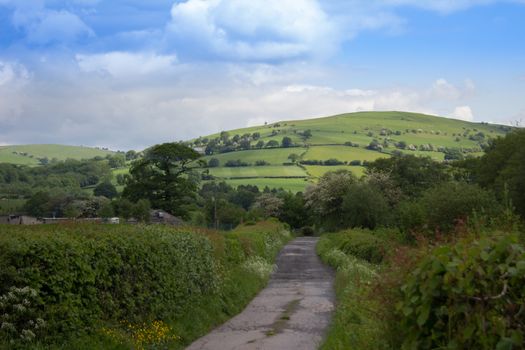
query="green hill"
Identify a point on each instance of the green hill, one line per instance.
(346, 141)
(31, 154)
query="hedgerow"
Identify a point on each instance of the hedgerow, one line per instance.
(91, 277)
(467, 295)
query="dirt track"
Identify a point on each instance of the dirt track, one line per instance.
(292, 312)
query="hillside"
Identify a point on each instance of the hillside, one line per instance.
(31, 154)
(256, 155)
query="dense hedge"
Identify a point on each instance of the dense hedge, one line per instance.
(87, 275)
(355, 324)
(363, 244)
(470, 295)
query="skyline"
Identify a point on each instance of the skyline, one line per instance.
(127, 75)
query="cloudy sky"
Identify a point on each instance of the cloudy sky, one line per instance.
(131, 73)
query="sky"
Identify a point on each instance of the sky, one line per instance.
(127, 74)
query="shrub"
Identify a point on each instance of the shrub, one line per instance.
(87, 274)
(469, 295)
(364, 206)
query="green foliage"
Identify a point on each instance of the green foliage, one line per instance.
(469, 295)
(443, 207)
(355, 324)
(364, 206)
(105, 189)
(410, 173)
(163, 176)
(87, 274)
(363, 244)
(504, 165)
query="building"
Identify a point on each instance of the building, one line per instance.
(19, 220)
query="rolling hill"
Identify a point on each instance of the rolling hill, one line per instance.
(255, 155)
(31, 154)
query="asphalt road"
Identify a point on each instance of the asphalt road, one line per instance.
(292, 312)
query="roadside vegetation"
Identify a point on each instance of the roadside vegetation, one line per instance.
(121, 287)
(427, 255)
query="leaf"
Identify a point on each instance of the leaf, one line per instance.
(423, 316)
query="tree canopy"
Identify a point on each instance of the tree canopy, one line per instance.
(164, 177)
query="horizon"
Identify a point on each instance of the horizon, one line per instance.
(127, 75)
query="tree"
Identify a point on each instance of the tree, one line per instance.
(325, 199)
(410, 173)
(259, 144)
(106, 211)
(293, 157)
(245, 144)
(272, 144)
(256, 135)
(131, 155)
(213, 163)
(502, 168)
(106, 189)
(286, 142)
(38, 204)
(141, 210)
(163, 177)
(269, 204)
(364, 206)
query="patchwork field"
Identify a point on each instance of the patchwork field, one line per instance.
(293, 185)
(259, 171)
(317, 171)
(274, 156)
(342, 153)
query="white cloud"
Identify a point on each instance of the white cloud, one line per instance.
(125, 64)
(13, 74)
(252, 30)
(463, 113)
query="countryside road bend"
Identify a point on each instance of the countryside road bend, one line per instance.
(292, 312)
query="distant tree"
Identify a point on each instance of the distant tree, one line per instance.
(269, 204)
(259, 144)
(38, 204)
(502, 168)
(410, 173)
(245, 144)
(117, 161)
(131, 155)
(141, 210)
(256, 135)
(364, 206)
(286, 142)
(224, 136)
(106, 189)
(213, 163)
(236, 138)
(306, 134)
(106, 211)
(293, 157)
(123, 208)
(163, 177)
(272, 144)
(121, 179)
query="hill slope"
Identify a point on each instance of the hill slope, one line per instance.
(345, 141)
(30, 154)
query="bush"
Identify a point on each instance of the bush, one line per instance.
(364, 206)
(469, 295)
(362, 244)
(87, 274)
(446, 204)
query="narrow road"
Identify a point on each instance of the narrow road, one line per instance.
(292, 312)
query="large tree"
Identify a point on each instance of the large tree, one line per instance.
(164, 177)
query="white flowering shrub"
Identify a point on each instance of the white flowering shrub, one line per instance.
(259, 266)
(18, 320)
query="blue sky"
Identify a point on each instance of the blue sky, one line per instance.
(131, 73)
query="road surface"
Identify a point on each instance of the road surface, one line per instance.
(292, 312)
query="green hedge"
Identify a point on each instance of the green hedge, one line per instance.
(363, 244)
(355, 324)
(469, 295)
(86, 276)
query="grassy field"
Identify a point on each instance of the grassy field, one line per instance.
(29, 154)
(293, 185)
(259, 171)
(342, 153)
(274, 156)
